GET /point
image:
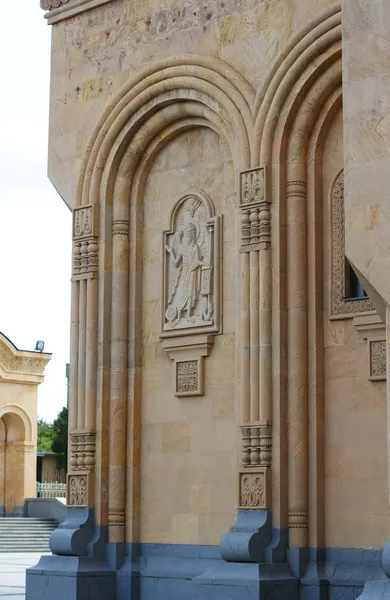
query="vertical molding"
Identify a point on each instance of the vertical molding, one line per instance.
(83, 353)
(245, 338)
(256, 315)
(91, 355)
(119, 375)
(74, 354)
(254, 334)
(297, 358)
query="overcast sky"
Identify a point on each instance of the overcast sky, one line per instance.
(35, 224)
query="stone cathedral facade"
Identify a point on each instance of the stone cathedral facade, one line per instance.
(227, 166)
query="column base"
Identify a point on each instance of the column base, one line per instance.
(70, 578)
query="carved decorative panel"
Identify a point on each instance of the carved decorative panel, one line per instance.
(255, 211)
(191, 290)
(377, 358)
(254, 488)
(85, 242)
(78, 490)
(191, 268)
(187, 376)
(340, 306)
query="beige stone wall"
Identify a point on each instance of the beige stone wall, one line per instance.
(355, 408)
(281, 359)
(367, 134)
(189, 445)
(98, 51)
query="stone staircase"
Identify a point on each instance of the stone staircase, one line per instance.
(25, 534)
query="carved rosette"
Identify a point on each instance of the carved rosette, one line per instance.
(254, 489)
(79, 490)
(85, 242)
(82, 451)
(338, 305)
(255, 211)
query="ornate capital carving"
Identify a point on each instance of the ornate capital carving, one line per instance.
(82, 450)
(256, 449)
(255, 211)
(254, 488)
(85, 242)
(79, 489)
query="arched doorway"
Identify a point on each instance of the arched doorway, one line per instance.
(12, 462)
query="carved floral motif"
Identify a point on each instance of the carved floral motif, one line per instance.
(78, 490)
(252, 490)
(339, 305)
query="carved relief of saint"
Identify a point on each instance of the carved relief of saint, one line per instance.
(189, 267)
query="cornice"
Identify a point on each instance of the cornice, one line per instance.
(21, 365)
(58, 10)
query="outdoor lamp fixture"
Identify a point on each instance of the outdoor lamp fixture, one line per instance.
(39, 346)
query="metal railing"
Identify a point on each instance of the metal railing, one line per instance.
(51, 490)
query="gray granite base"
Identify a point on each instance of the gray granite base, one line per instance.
(70, 578)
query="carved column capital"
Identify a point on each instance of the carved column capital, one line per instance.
(255, 210)
(85, 242)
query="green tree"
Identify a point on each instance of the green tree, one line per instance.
(45, 436)
(60, 439)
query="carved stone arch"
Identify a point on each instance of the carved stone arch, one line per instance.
(167, 98)
(20, 412)
(303, 87)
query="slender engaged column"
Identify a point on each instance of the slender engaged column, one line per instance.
(245, 338)
(119, 379)
(91, 354)
(297, 361)
(265, 335)
(74, 353)
(254, 335)
(81, 356)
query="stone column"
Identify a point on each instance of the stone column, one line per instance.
(119, 375)
(297, 357)
(256, 338)
(247, 540)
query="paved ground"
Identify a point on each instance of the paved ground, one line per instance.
(13, 567)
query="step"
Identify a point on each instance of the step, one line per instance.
(25, 534)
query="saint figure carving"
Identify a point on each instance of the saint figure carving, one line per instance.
(188, 269)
